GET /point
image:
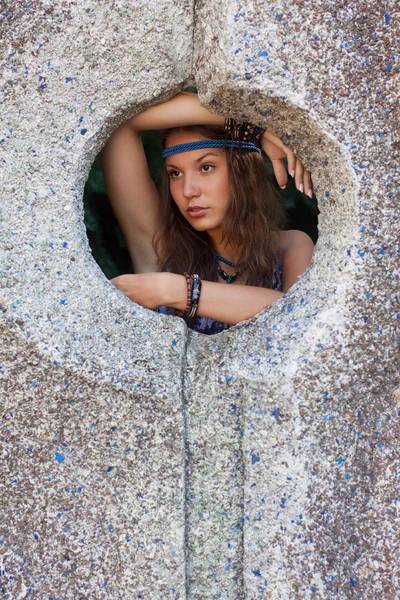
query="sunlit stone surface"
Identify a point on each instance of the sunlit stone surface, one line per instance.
(144, 461)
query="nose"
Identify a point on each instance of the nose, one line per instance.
(190, 187)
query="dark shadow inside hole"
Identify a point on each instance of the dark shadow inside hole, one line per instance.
(104, 234)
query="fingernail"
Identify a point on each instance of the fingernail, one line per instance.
(309, 193)
(301, 187)
(282, 187)
(292, 173)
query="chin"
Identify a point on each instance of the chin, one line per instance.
(204, 224)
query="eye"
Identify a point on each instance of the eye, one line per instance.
(174, 174)
(207, 168)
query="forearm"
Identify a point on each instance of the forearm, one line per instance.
(222, 303)
(184, 109)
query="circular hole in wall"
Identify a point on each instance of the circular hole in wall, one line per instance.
(104, 233)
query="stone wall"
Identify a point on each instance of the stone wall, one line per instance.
(141, 460)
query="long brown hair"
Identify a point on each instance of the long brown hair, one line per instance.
(254, 213)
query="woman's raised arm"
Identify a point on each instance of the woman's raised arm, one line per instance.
(130, 188)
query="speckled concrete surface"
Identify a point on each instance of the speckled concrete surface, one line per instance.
(144, 461)
(316, 377)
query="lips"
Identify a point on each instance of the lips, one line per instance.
(196, 211)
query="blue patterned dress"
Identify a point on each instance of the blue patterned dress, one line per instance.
(211, 327)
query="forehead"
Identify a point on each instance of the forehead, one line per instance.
(190, 156)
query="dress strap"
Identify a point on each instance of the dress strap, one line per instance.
(278, 261)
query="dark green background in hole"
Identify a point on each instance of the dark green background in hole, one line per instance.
(105, 237)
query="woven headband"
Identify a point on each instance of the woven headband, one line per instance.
(249, 146)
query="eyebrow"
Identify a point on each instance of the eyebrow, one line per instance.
(197, 159)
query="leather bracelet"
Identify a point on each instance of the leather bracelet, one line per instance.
(196, 289)
(189, 282)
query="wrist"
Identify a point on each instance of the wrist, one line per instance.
(175, 291)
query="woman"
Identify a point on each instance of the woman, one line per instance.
(216, 221)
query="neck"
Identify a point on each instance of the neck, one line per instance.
(223, 248)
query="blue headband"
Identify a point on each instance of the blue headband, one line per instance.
(210, 144)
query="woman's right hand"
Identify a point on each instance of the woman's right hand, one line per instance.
(276, 151)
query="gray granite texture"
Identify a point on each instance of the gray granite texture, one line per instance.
(141, 460)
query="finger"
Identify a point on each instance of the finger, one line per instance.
(308, 184)
(298, 177)
(291, 159)
(290, 155)
(280, 173)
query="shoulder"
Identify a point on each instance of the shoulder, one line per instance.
(291, 240)
(292, 237)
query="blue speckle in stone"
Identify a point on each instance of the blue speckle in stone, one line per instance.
(34, 383)
(59, 457)
(65, 244)
(63, 302)
(387, 18)
(347, 476)
(327, 194)
(340, 460)
(59, 515)
(353, 582)
(83, 131)
(228, 377)
(128, 540)
(275, 413)
(257, 573)
(262, 53)
(35, 535)
(174, 342)
(387, 68)
(68, 79)
(81, 119)
(312, 589)
(255, 458)
(173, 552)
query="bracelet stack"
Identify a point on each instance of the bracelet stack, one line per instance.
(193, 296)
(244, 132)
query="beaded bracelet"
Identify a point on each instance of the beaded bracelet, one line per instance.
(189, 281)
(246, 132)
(193, 296)
(196, 289)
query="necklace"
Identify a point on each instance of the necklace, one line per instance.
(224, 274)
(228, 262)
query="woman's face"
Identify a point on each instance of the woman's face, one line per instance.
(199, 182)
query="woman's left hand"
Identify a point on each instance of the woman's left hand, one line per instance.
(276, 151)
(152, 290)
